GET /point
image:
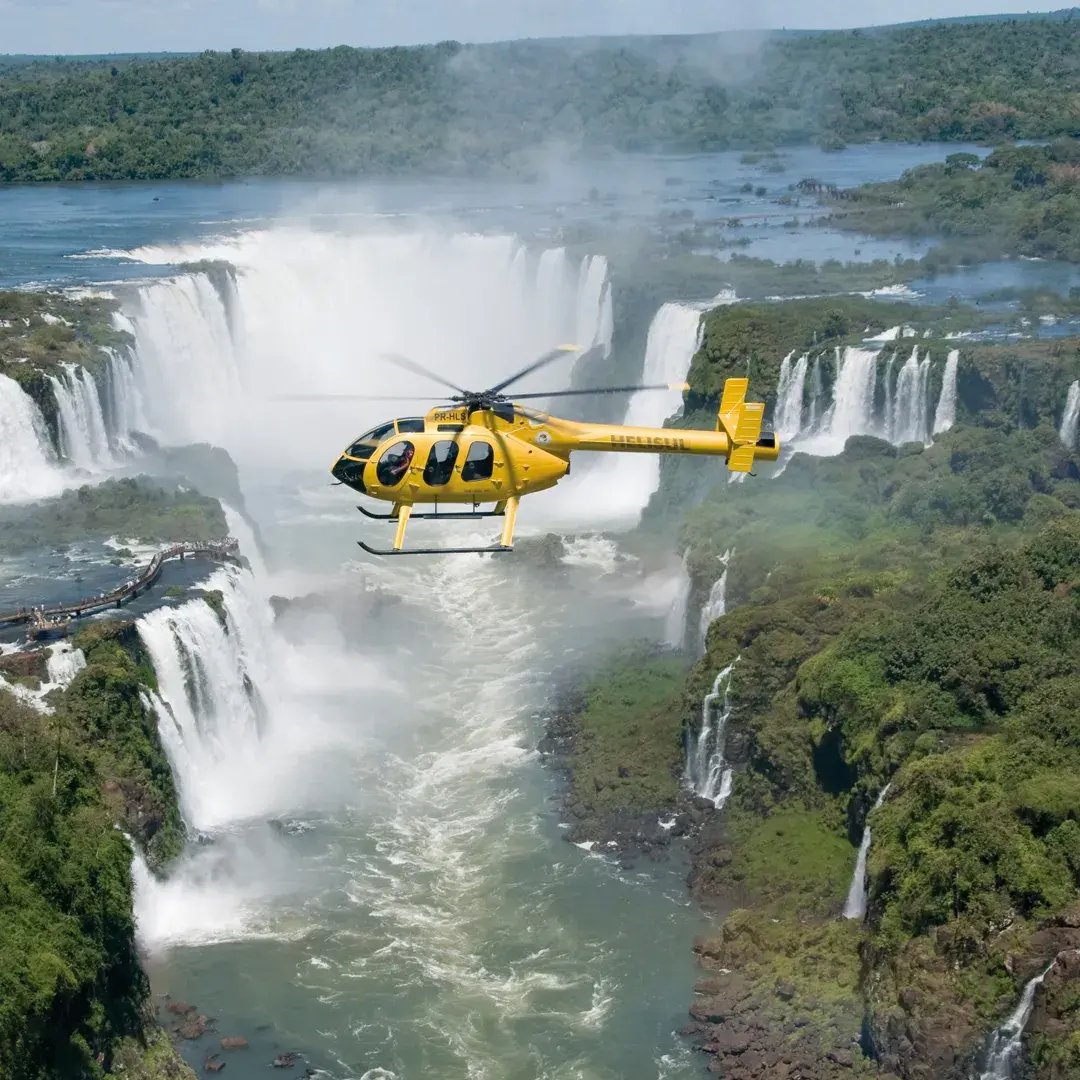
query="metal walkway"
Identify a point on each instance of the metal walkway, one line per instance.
(45, 619)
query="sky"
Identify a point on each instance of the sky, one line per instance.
(95, 26)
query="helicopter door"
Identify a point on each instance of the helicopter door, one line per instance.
(440, 463)
(479, 462)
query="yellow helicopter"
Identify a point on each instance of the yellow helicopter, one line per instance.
(482, 447)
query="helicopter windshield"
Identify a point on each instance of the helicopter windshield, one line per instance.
(365, 445)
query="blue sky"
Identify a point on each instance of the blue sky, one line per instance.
(90, 26)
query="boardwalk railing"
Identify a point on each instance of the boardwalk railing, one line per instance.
(50, 617)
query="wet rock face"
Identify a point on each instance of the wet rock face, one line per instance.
(28, 664)
(756, 1028)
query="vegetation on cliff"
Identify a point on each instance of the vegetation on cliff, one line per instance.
(73, 997)
(42, 331)
(906, 614)
(345, 111)
(135, 508)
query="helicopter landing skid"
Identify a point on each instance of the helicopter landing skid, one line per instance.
(461, 515)
(436, 551)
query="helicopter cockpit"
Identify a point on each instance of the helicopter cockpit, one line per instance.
(364, 446)
(349, 468)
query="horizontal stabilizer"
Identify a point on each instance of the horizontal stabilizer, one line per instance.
(748, 427)
(741, 460)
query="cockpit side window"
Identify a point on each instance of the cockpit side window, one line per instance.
(394, 463)
(410, 424)
(440, 463)
(479, 462)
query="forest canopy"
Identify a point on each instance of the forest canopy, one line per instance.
(452, 107)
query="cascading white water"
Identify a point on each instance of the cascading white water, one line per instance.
(27, 463)
(675, 623)
(890, 388)
(627, 480)
(61, 666)
(855, 905)
(595, 319)
(124, 405)
(1007, 1041)
(1070, 419)
(311, 312)
(945, 413)
(214, 677)
(908, 420)
(716, 604)
(852, 408)
(707, 772)
(817, 392)
(789, 397)
(84, 440)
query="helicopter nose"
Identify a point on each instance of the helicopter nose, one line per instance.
(349, 472)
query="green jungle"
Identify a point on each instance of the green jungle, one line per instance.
(512, 107)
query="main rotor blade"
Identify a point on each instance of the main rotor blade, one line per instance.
(528, 369)
(604, 390)
(347, 397)
(419, 369)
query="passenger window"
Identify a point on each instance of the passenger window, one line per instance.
(394, 464)
(440, 463)
(479, 462)
(410, 424)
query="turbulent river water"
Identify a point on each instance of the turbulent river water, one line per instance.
(377, 877)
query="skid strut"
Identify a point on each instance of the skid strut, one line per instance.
(403, 513)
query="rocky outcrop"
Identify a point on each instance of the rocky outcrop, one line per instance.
(754, 1021)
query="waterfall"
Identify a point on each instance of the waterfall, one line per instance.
(789, 397)
(945, 413)
(1071, 417)
(816, 392)
(675, 624)
(124, 406)
(84, 441)
(556, 300)
(627, 480)
(312, 312)
(241, 531)
(908, 419)
(63, 664)
(27, 468)
(594, 313)
(707, 773)
(716, 604)
(852, 408)
(855, 905)
(1006, 1042)
(889, 388)
(214, 675)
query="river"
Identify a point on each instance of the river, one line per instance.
(377, 877)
